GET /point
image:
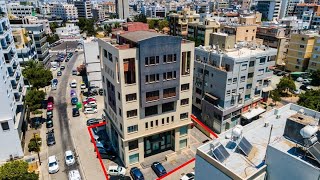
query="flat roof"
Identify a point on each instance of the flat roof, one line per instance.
(257, 134)
(137, 36)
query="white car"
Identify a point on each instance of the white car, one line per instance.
(90, 104)
(299, 79)
(54, 87)
(69, 157)
(83, 86)
(116, 170)
(73, 84)
(188, 176)
(54, 68)
(90, 110)
(53, 165)
(74, 175)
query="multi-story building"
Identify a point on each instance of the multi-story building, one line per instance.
(287, 7)
(245, 4)
(314, 62)
(35, 20)
(275, 37)
(270, 9)
(303, 7)
(98, 13)
(64, 11)
(148, 81)
(45, 9)
(218, 5)
(20, 11)
(11, 93)
(122, 8)
(231, 81)
(179, 22)
(203, 8)
(201, 30)
(243, 32)
(300, 51)
(109, 8)
(26, 49)
(273, 147)
(69, 31)
(84, 8)
(154, 11)
(37, 34)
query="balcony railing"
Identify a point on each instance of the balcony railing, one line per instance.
(152, 98)
(170, 94)
(17, 97)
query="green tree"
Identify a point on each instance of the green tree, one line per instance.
(34, 144)
(53, 26)
(37, 75)
(286, 84)
(107, 29)
(163, 23)
(151, 23)
(53, 38)
(140, 18)
(17, 170)
(310, 99)
(315, 78)
(275, 96)
(116, 25)
(34, 99)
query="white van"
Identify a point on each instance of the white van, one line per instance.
(74, 175)
(90, 111)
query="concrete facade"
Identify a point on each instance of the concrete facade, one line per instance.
(19, 11)
(11, 92)
(230, 82)
(242, 32)
(84, 8)
(202, 30)
(122, 8)
(71, 30)
(179, 22)
(270, 9)
(65, 11)
(314, 62)
(147, 79)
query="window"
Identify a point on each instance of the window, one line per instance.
(110, 57)
(134, 158)
(241, 90)
(229, 81)
(250, 75)
(120, 112)
(243, 67)
(152, 110)
(162, 120)
(164, 58)
(249, 86)
(228, 93)
(183, 130)
(251, 64)
(302, 39)
(157, 59)
(131, 97)
(133, 144)
(146, 61)
(198, 91)
(184, 87)
(167, 107)
(119, 98)
(152, 60)
(105, 53)
(151, 124)
(262, 60)
(170, 58)
(172, 118)
(132, 113)
(235, 80)
(261, 71)
(152, 96)
(234, 91)
(243, 78)
(183, 143)
(184, 101)
(157, 122)
(170, 92)
(133, 128)
(146, 125)
(198, 101)
(167, 119)
(5, 126)
(301, 46)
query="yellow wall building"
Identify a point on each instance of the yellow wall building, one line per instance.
(314, 63)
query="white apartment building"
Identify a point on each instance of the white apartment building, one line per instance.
(65, 11)
(45, 9)
(70, 31)
(19, 11)
(274, 147)
(84, 8)
(147, 78)
(154, 11)
(11, 92)
(35, 20)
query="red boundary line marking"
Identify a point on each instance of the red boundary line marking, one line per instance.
(204, 126)
(177, 168)
(95, 147)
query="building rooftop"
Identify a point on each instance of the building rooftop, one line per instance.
(140, 35)
(257, 133)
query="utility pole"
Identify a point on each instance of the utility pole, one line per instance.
(34, 136)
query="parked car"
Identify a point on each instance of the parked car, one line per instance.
(299, 79)
(136, 174)
(74, 100)
(62, 68)
(53, 164)
(305, 87)
(188, 176)
(50, 106)
(73, 84)
(53, 87)
(275, 71)
(66, 60)
(49, 114)
(55, 81)
(59, 73)
(74, 175)
(116, 170)
(75, 112)
(74, 72)
(49, 123)
(297, 91)
(50, 99)
(101, 92)
(90, 110)
(93, 121)
(105, 154)
(306, 81)
(69, 157)
(93, 92)
(50, 138)
(54, 68)
(83, 86)
(91, 104)
(158, 169)
(281, 73)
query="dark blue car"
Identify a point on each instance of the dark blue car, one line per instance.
(158, 169)
(136, 174)
(55, 81)
(74, 100)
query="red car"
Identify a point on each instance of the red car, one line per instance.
(91, 99)
(50, 106)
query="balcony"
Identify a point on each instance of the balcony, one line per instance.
(18, 77)
(17, 97)
(152, 98)
(14, 84)
(169, 94)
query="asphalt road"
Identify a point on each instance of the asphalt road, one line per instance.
(64, 45)
(61, 123)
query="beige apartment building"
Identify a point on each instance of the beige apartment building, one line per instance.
(243, 32)
(300, 51)
(148, 80)
(314, 63)
(179, 21)
(202, 30)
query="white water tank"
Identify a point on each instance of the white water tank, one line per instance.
(308, 131)
(237, 131)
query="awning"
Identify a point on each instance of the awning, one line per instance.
(267, 89)
(253, 113)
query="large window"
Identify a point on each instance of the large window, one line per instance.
(184, 87)
(184, 115)
(133, 145)
(167, 107)
(5, 126)
(152, 95)
(133, 128)
(183, 143)
(131, 97)
(183, 130)
(134, 158)
(170, 92)
(152, 110)
(132, 113)
(184, 101)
